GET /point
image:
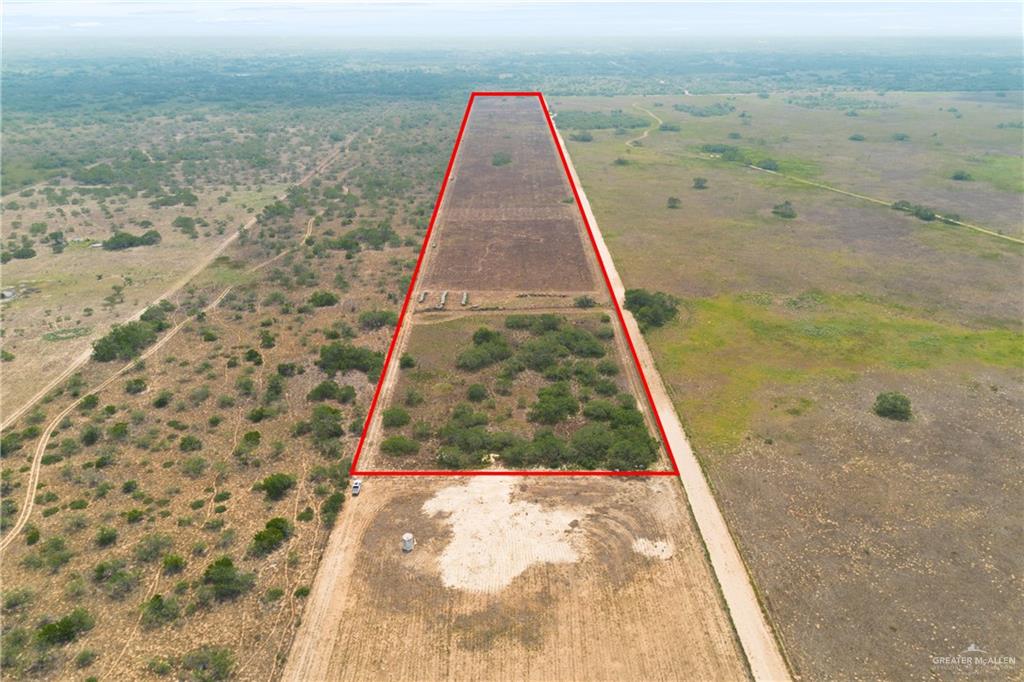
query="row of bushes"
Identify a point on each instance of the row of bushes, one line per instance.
(127, 240)
(125, 341)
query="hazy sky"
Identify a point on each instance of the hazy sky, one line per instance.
(32, 19)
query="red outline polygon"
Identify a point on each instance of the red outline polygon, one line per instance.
(354, 471)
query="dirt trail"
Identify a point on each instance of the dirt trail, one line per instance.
(647, 131)
(755, 635)
(830, 188)
(318, 631)
(178, 284)
(883, 202)
(44, 439)
(33, 481)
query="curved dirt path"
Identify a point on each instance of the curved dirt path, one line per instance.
(756, 637)
(83, 357)
(33, 480)
(44, 439)
(647, 131)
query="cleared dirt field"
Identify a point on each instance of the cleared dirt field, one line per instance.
(508, 222)
(597, 579)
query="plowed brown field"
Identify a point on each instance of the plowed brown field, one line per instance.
(508, 221)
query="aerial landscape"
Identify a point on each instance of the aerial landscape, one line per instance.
(435, 341)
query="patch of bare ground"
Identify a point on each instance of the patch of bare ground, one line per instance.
(589, 606)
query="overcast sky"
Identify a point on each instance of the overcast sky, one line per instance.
(34, 19)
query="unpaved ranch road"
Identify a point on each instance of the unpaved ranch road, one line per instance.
(759, 644)
(178, 284)
(33, 480)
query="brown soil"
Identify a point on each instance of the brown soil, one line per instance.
(613, 613)
(511, 226)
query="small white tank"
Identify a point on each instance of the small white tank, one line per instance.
(408, 542)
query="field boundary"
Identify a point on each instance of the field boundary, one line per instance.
(355, 471)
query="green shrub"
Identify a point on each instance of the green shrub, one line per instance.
(331, 508)
(124, 341)
(135, 386)
(90, 435)
(113, 579)
(126, 240)
(584, 302)
(65, 630)
(85, 658)
(476, 393)
(16, 599)
(784, 210)
(341, 357)
(275, 486)
(399, 446)
(190, 444)
(209, 664)
(651, 309)
(328, 390)
(173, 564)
(226, 581)
(555, 403)
(52, 554)
(159, 666)
(152, 546)
(323, 299)
(489, 347)
(158, 611)
(893, 405)
(394, 417)
(375, 319)
(276, 531)
(106, 536)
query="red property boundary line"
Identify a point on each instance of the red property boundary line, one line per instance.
(355, 471)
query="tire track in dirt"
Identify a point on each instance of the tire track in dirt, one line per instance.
(33, 481)
(83, 358)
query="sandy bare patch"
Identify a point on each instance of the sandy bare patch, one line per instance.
(654, 549)
(495, 539)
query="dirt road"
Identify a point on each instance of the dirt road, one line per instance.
(178, 284)
(33, 481)
(33, 477)
(647, 131)
(758, 641)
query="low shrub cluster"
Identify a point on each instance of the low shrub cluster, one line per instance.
(125, 341)
(275, 486)
(651, 309)
(274, 534)
(126, 240)
(344, 357)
